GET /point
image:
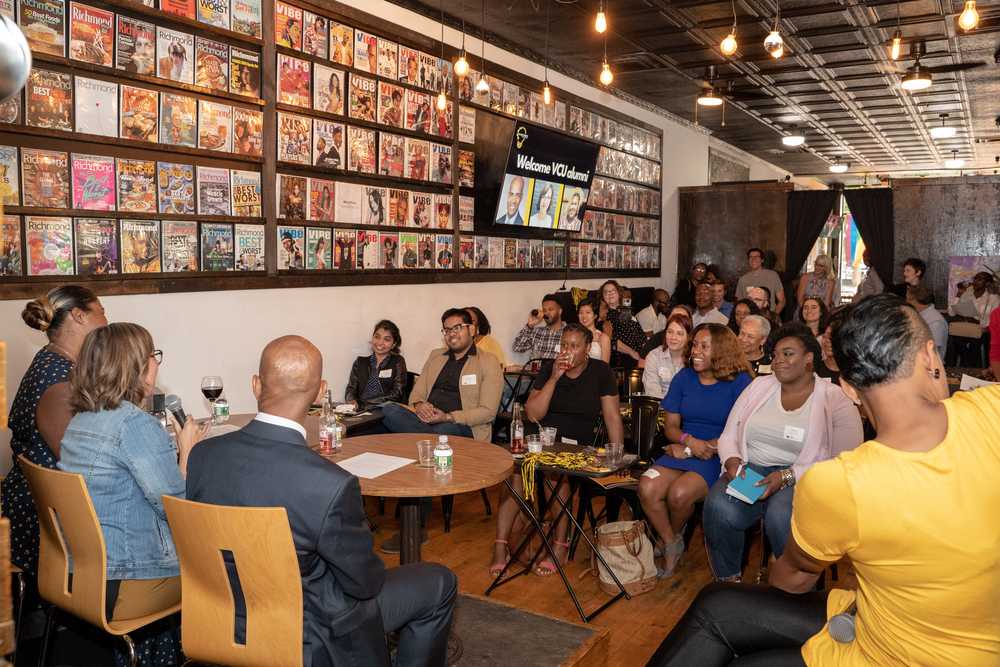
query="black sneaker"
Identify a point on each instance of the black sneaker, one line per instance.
(391, 545)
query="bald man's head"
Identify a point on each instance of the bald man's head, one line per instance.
(290, 376)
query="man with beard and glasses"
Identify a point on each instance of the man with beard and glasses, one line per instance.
(540, 336)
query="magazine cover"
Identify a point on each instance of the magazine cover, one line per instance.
(409, 65)
(249, 245)
(246, 17)
(496, 94)
(291, 251)
(392, 154)
(246, 193)
(367, 250)
(344, 255)
(416, 159)
(45, 178)
(294, 137)
(408, 258)
(314, 34)
(136, 52)
(213, 191)
(328, 139)
(11, 250)
(342, 44)
(440, 163)
(10, 185)
(399, 208)
(442, 251)
(388, 54)
(244, 72)
(174, 55)
(467, 85)
(466, 252)
(96, 104)
(96, 247)
(374, 211)
(348, 203)
(363, 93)
(467, 125)
(215, 126)
(180, 246)
(466, 169)
(574, 255)
(217, 247)
(425, 251)
(328, 89)
(319, 249)
(361, 149)
(49, 100)
(418, 111)
(91, 34)
(50, 246)
(523, 254)
(292, 193)
(175, 187)
(10, 110)
(389, 250)
(211, 62)
(321, 200)
(390, 104)
(287, 25)
(248, 131)
(429, 73)
(294, 81)
(140, 246)
(183, 8)
(441, 120)
(43, 24)
(178, 120)
(93, 182)
(536, 253)
(509, 100)
(442, 212)
(136, 185)
(214, 12)
(365, 52)
(421, 209)
(548, 255)
(482, 249)
(466, 213)
(509, 253)
(138, 113)
(560, 117)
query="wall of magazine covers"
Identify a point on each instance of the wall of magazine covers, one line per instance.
(175, 148)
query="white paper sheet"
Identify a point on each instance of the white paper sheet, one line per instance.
(370, 466)
(969, 383)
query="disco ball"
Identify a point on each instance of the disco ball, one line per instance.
(15, 59)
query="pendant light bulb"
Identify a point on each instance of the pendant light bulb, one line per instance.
(547, 94)
(897, 45)
(969, 18)
(955, 162)
(774, 44)
(483, 88)
(601, 21)
(839, 168)
(461, 66)
(606, 76)
(729, 44)
(442, 101)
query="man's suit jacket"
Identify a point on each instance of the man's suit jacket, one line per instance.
(264, 465)
(518, 220)
(480, 399)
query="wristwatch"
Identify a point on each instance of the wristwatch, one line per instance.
(687, 451)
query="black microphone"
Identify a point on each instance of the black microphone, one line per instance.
(173, 403)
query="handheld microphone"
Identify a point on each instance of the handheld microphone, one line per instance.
(841, 626)
(173, 403)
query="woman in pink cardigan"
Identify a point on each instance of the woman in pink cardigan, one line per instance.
(780, 425)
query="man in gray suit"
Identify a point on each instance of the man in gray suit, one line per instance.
(349, 599)
(515, 191)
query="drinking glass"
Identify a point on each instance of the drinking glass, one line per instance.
(534, 442)
(211, 389)
(548, 434)
(425, 454)
(614, 451)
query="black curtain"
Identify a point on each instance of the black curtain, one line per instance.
(808, 211)
(872, 211)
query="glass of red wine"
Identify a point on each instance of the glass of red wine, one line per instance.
(211, 389)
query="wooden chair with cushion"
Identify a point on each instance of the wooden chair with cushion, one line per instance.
(69, 527)
(258, 540)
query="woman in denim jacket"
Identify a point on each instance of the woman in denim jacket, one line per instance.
(128, 463)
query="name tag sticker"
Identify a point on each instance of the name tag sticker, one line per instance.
(795, 433)
(387, 373)
(764, 369)
(468, 379)
(652, 474)
(568, 441)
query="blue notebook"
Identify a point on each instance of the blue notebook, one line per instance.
(744, 489)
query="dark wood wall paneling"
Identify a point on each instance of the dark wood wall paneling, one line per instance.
(719, 222)
(28, 286)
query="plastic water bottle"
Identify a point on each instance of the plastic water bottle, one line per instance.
(338, 432)
(516, 431)
(443, 456)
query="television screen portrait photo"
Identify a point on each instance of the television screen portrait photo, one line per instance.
(511, 209)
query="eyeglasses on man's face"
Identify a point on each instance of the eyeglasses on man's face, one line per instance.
(452, 330)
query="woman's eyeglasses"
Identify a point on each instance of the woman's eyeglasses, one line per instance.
(157, 356)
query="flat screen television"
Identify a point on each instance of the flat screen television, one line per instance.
(543, 184)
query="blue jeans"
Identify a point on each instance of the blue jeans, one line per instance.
(397, 419)
(726, 519)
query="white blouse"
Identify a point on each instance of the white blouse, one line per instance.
(659, 371)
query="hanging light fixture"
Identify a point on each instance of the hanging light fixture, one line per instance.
(839, 167)
(546, 90)
(943, 131)
(916, 79)
(601, 21)
(969, 18)
(897, 38)
(462, 65)
(955, 162)
(795, 138)
(709, 99)
(606, 76)
(442, 99)
(729, 44)
(483, 87)
(773, 43)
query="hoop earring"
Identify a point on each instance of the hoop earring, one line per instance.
(937, 373)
